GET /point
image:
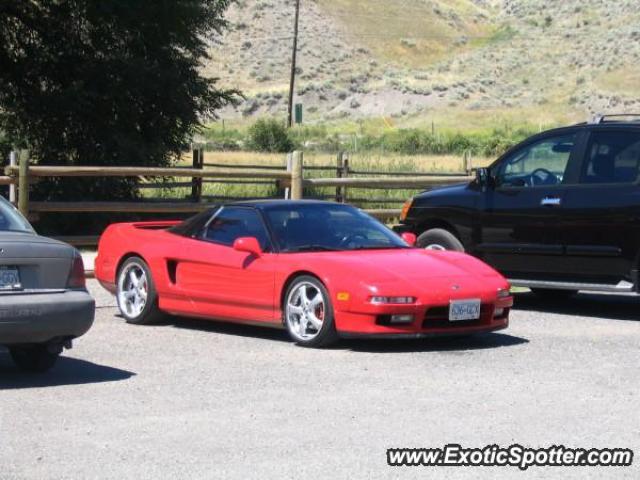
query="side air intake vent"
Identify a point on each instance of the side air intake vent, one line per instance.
(172, 266)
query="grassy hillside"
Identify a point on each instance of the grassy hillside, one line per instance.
(458, 63)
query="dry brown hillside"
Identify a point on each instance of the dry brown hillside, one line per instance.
(455, 60)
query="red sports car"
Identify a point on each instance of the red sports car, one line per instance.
(322, 270)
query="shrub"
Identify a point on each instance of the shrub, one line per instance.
(269, 135)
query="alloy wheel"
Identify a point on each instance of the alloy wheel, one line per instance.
(133, 290)
(305, 311)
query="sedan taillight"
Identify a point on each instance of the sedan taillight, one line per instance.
(76, 276)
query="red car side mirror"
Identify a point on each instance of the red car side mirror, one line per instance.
(410, 238)
(249, 245)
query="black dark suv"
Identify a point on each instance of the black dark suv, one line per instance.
(558, 213)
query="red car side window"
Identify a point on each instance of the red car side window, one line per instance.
(232, 223)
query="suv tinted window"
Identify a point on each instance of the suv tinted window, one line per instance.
(612, 157)
(540, 163)
(234, 222)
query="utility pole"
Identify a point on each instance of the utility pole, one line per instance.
(293, 63)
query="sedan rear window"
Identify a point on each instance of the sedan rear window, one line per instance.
(11, 220)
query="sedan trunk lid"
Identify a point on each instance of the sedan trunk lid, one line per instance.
(37, 263)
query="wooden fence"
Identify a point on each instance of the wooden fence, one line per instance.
(342, 169)
(290, 180)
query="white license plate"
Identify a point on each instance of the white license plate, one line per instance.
(464, 310)
(9, 278)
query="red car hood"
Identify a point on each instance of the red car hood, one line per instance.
(410, 264)
(438, 275)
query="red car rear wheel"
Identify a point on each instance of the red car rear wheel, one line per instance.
(136, 293)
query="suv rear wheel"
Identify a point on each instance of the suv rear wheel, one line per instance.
(439, 239)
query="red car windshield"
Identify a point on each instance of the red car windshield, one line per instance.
(11, 220)
(323, 227)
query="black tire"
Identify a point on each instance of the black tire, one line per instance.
(439, 239)
(33, 358)
(552, 294)
(150, 313)
(327, 334)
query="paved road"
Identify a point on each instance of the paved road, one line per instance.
(191, 399)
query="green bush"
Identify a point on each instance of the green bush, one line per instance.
(269, 135)
(420, 142)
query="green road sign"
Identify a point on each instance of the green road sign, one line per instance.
(298, 113)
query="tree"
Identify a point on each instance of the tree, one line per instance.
(269, 135)
(106, 82)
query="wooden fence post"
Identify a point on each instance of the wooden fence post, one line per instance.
(339, 169)
(297, 175)
(342, 172)
(196, 182)
(23, 183)
(468, 166)
(13, 161)
(289, 161)
(345, 173)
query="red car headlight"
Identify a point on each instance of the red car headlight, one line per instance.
(378, 300)
(504, 293)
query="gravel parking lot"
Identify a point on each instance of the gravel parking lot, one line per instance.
(193, 399)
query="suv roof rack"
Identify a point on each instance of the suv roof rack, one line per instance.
(601, 118)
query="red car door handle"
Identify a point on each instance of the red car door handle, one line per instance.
(551, 202)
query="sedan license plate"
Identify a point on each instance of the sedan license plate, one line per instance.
(464, 310)
(9, 278)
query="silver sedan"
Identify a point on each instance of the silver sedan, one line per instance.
(44, 303)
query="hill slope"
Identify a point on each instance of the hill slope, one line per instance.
(460, 62)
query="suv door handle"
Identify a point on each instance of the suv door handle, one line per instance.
(550, 202)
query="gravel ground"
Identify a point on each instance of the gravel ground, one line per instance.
(192, 399)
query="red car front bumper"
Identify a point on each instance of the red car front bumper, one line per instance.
(429, 320)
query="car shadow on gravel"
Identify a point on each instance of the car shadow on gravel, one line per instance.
(382, 345)
(228, 328)
(439, 344)
(67, 371)
(605, 306)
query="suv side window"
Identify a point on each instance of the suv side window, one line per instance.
(235, 222)
(612, 157)
(541, 163)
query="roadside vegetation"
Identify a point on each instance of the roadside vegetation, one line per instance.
(407, 151)
(269, 135)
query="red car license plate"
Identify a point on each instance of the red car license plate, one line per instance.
(464, 310)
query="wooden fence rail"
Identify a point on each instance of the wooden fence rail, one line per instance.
(52, 171)
(23, 174)
(112, 207)
(380, 182)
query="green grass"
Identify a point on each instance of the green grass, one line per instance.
(372, 145)
(369, 138)
(390, 163)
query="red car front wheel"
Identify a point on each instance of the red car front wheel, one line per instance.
(308, 313)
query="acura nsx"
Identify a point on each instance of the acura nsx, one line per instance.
(321, 270)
